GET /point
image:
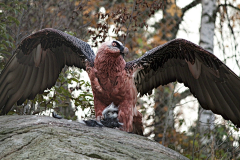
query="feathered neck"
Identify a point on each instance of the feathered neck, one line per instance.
(107, 63)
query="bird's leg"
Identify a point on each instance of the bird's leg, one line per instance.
(125, 116)
(99, 107)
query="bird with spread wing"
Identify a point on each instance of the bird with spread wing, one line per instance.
(40, 57)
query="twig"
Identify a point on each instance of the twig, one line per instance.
(194, 137)
(74, 11)
(228, 5)
(130, 21)
(232, 32)
(41, 24)
(189, 6)
(20, 25)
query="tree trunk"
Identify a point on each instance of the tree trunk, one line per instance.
(206, 117)
(164, 118)
(164, 102)
(41, 137)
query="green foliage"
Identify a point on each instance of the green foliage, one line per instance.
(218, 143)
(69, 89)
(8, 14)
(6, 18)
(14, 25)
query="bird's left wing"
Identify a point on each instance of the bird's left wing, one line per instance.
(214, 85)
(36, 64)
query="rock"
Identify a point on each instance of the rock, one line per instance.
(41, 137)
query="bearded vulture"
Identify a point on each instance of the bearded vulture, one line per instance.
(40, 57)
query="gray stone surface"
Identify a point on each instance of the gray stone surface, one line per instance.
(41, 137)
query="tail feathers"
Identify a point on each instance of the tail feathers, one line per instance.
(137, 124)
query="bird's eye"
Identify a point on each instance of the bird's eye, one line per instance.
(114, 44)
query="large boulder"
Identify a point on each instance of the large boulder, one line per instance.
(41, 137)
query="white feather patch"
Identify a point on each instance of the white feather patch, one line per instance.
(136, 72)
(195, 68)
(37, 55)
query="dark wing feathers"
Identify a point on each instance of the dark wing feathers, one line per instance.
(36, 65)
(214, 85)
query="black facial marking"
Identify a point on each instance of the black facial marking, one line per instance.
(121, 48)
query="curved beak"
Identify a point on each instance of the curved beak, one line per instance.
(123, 51)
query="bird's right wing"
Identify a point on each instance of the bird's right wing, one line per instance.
(36, 64)
(215, 86)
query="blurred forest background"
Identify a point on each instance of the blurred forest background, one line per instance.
(172, 116)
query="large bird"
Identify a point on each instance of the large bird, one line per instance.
(40, 57)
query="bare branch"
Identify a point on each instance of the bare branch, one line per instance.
(182, 96)
(229, 5)
(20, 26)
(189, 6)
(130, 21)
(232, 32)
(43, 15)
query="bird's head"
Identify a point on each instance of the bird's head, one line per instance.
(113, 48)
